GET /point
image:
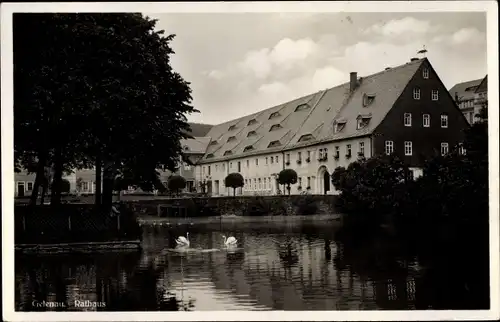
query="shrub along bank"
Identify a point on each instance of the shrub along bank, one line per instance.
(301, 205)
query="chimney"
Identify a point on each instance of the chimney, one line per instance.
(387, 68)
(414, 59)
(353, 81)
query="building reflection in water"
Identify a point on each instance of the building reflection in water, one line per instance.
(290, 267)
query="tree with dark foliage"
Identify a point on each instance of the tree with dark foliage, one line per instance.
(99, 92)
(287, 177)
(234, 180)
(176, 183)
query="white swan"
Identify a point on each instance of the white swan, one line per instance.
(183, 241)
(231, 241)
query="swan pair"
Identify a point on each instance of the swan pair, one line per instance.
(184, 241)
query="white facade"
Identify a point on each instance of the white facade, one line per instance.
(260, 171)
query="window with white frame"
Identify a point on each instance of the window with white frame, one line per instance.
(248, 163)
(461, 149)
(362, 148)
(444, 121)
(416, 93)
(277, 159)
(425, 73)
(411, 175)
(272, 160)
(426, 120)
(85, 186)
(265, 183)
(407, 119)
(444, 148)
(348, 149)
(300, 181)
(257, 161)
(29, 186)
(320, 153)
(308, 181)
(266, 160)
(260, 184)
(288, 157)
(187, 166)
(435, 95)
(408, 148)
(389, 147)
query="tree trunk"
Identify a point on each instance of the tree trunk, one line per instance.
(98, 180)
(39, 179)
(234, 192)
(107, 187)
(44, 192)
(288, 188)
(57, 180)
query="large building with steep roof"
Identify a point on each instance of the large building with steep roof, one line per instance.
(404, 110)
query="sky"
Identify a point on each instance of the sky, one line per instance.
(241, 63)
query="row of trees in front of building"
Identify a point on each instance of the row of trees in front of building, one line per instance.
(286, 177)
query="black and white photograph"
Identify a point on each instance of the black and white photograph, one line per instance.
(314, 160)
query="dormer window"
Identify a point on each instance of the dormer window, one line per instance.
(213, 142)
(275, 127)
(231, 138)
(274, 144)
(228, 152)
(232, 128)
(252, 122)
(306, 137)
(339, 126)
(302, 107)
(185, 148)
(362, 121)
(368, 99)
(274, 115)
(248, 148)
(211, 155)
(251, 133)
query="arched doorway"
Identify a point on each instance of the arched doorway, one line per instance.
(323, 180)
(326, 182)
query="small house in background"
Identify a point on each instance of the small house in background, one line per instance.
(469, 96)
(83, 181)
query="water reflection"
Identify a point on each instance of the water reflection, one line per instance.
(301, 266)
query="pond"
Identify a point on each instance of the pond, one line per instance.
(288, 265)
